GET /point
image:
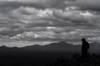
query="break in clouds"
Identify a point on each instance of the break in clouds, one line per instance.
(49, 20)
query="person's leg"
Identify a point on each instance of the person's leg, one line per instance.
(83, 53)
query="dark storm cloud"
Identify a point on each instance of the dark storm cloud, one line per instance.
(84, 4)
(20, 17)
(88, 4)
(31, 16)
(35, 3)
(22, 13)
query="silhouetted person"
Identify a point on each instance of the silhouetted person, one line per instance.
(85, 47)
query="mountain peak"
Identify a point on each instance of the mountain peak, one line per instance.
(59, 44)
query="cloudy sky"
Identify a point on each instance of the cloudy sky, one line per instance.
(49, 20)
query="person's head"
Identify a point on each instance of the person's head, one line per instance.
(83, 39)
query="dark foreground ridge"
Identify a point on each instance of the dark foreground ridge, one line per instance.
(55, 54)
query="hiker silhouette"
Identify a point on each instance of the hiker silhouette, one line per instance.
(85, 47)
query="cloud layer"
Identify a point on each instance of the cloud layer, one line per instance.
(28, 20)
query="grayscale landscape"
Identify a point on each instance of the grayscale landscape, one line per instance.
(49, 32)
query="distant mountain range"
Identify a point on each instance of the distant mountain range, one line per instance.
(58, 47)
(53, 47)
